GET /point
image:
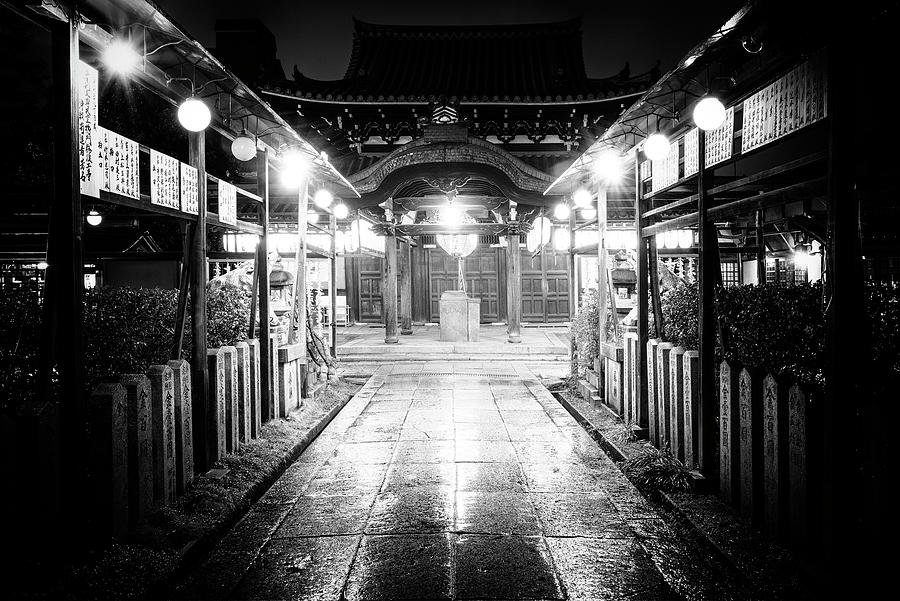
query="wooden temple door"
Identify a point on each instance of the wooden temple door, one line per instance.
(482, 269)
(370, 296)
(545, 287)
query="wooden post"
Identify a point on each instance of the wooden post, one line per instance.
(203, 444)
(405, 289)
(298, 335)
(709, 408)
(760, 251)
(513, 284)
(640, 354)
(332, 227)
(603, 275)
(573, 276)
(389, 287)
(180, 316)
(653, 259)
(262, 267)
(64, 292)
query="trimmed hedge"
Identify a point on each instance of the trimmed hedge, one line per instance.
(125, 331)
(585, 329)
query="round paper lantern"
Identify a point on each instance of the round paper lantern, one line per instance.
(194, 115)
(656, 147)
(709, 113)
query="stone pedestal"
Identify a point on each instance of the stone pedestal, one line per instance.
(184, 428)
(140, 445)
(109, 458)
(460, 317)
(290, 378)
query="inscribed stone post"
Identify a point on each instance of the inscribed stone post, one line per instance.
(140, 446)
(663, 406)
(628, 385)
(750, 437)
(274, 400)
(162, 411)
(231, 399)
(109, 458)
(255, 387)
(184, 428)
(797, 466)
(244, 395)
(217, 428)
(676, 400)
(729, 444)
(774, 457)
(652, 417)
(691, 378)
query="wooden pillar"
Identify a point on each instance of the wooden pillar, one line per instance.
(332, 228)
(513, 284)
(573, 276)
(760, 251)
(262, 268)
(603, 288)
(708, 257)
(405, 289)
(389, 286)
(653, 260)
(64, 291)
(187, 232)
(640, 363)
(204, 442)
(298, 335)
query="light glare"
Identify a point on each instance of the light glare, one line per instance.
(194, 115)
(582, 198)
(121, 57)
(561, 211)
(656, 147)
(709, 113)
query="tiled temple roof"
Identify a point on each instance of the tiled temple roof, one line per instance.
(539, 63)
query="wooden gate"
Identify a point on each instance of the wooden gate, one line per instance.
(370, 297)
(545, 287)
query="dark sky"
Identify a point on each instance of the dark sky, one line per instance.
(317, 36)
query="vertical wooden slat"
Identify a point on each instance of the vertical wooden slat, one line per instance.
(603, 276)
(653, 259)
(332, 228)
(708, 408)
(203, 443)
(513, 284)
(405, 288)
(187, 231)
(389, 287)
(641, 291)
(760, 251)
(262, 268)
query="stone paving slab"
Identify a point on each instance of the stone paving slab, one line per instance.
(491, 492)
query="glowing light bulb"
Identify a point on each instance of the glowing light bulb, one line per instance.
(194, 115)
(608, 166)
(312, 217)
(561, 211)
(323, 198)
(341, 211)
(121, 57)
(244, 147)
(709, 113)
(656, 147)
(293, 168)
(582, 198)
(94, 218)
(561, 239)
(588, 213)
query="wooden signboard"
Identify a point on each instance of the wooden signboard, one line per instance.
(665, 172)
(164, 184)
(719, 142)
(89, 169)
(120, 161)
(786, 105)
(190, 190)
(691, 152)
(227, 203)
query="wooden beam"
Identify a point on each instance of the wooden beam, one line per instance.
(389, 287)
(659, 325)
(332, 283)
(421, 229)
(603, 288)
(298, 335)
(640, 365)
(204, 437)
(187, 234)
(760, 250)
(573, 276)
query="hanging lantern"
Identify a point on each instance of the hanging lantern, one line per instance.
(561, 239)
(340, 211)
(458, 245)
(709, 113)
(685, 238)
(244, 147)
(194, 115)
(582, 198)
(656, 147)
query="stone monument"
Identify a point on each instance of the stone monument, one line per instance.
(460, 317)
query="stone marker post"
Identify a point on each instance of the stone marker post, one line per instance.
(750, 437)
(676, 401)
(629, 414)
(274, 400)
(797, 467)
(231, 400)
(244, 395)
(255, 394)
(652, 413)
(184, 427)
(109, 458)
(217, 425)
(775, 484)
(663, 392)
(729, 443)
(140, 446)
(691, 378)
(162, 410)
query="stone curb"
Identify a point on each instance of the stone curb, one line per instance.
(195, 551)
(618, 456)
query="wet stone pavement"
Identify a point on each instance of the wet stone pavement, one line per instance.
(453, 482)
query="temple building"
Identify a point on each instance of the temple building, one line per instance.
(482, 119)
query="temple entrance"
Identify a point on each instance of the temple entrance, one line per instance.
(483, 271)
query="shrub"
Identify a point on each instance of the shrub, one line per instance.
(778, 328)
(586, 332)
(680, 315)
(227, 316)
(20, 333)
(883, 303)
(655, 470)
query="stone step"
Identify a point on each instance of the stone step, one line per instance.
(467, 349)
(395, 357)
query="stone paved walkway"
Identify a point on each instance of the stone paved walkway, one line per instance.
(442, 482)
